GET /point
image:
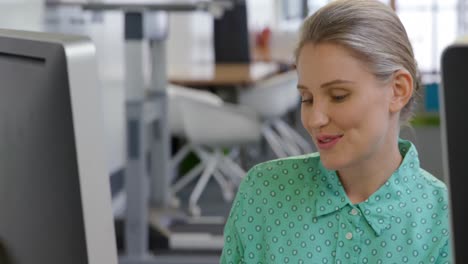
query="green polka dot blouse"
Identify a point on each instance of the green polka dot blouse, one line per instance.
(294, 210)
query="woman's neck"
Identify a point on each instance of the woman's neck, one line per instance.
(362, 180)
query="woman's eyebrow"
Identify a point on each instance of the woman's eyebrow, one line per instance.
(334, 82)
(327, 84)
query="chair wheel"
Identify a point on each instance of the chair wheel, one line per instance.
(228, 192)
(195, 211)
(228, 196)
(175, 202)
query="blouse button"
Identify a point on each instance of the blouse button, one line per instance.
(349, 235)
(354, 211)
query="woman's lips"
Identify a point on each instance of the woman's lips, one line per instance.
(326, 142)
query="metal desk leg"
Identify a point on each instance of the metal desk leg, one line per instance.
(136, 186)
(160, 147)
(136, 177)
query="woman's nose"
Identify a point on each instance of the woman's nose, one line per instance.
(316, 117)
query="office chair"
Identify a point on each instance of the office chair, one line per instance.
(210, 126)
(272, 99)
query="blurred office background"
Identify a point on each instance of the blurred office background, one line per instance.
(272, 30)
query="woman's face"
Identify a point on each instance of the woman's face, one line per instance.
(344, 108)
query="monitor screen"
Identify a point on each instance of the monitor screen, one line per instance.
(55, 203)
(454, 144)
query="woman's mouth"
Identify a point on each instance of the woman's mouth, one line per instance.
(327, 142)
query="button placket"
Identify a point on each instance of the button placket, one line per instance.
(353, 234)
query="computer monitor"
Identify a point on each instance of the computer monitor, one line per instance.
(453, 102)
(55, 201)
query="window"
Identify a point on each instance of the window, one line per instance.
(431, 26)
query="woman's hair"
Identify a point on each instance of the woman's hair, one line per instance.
(371, 31)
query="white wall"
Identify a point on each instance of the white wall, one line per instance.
(190, 37)
(261, 13)
(21, 14)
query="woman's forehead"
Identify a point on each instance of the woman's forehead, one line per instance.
(326, 62)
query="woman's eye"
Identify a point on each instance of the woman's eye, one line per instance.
(339, 98)
(306, 100)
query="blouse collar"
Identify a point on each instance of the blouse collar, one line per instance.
(382, 205)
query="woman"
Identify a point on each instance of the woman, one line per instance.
(363, 197)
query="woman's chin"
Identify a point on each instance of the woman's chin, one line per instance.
(331, 163)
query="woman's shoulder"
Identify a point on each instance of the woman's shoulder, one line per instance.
(431, 180)
(433, 191)
(427, 198)
(272, 182)
(429, 187)
(294, 162)
(416, 179)
(291, 170)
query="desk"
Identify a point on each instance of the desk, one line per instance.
(211, 74)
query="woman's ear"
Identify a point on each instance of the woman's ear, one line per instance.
(402, 90)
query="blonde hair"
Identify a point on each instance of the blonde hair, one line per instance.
(371, 31)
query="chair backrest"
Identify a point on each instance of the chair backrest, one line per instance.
(220, 126)
(178, 96)
(274, 96)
